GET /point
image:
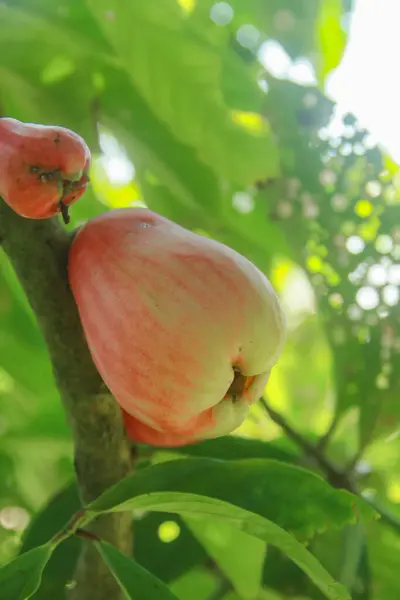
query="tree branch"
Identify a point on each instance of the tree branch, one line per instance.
(335, 477)
(325, 439)
(38, 251)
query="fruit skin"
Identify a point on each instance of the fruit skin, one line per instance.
(168, 315)
(43, 169)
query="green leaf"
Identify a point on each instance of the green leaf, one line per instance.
(234, 448)
(23, 352)
(196, 584)
(384, 550)
(344, 554)
(158, 154)
(189, 505)
(330, 35)
(261, 486)
(184, 89)
(15, 22)
(238, 555)
(195, 487)
(166, 560)
(285, 577)
(45, 525)
(21, 577)
(133, 579)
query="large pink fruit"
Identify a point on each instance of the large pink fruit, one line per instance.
(183, 330)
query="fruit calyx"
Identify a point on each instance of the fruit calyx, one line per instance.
(68, 186)
(239, 384)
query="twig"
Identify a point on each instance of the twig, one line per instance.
(335, 477)
(87, 535)
(38, 250)
(324, 440)
(333, 474)
(352, 464)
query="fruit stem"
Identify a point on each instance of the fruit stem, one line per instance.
(87, 535)
(64, 212)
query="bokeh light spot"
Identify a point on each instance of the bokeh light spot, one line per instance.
(14, 518)
(327, 177)
(221, 13)
(373, 189)
(394, 274)
(354, 312)
(384, 244)
(355, 244)
(248, 36)
(363, 208)
(187, 5)
(168, 531)
(377, 275)
(284, 20)
(243, 202)
(336, 300)
(390, 295)
(367, 298)
(284, 209)
(314, 264)
(339, 202)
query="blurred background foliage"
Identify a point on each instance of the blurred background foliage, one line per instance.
(214, 114)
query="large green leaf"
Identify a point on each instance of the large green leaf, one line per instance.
(234, 448)
(187, 504)
(20, 578)
(131, 577)
(235, 491)
(26, 23)
(261, 486)
(183, 88)
(284, 576)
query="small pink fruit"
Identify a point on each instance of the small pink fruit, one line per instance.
(183, 330)
(43, 169)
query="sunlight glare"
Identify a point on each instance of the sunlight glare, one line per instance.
(302, 72)
(120, 171)
(221, 13)
(274, 58)
(365, 83)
